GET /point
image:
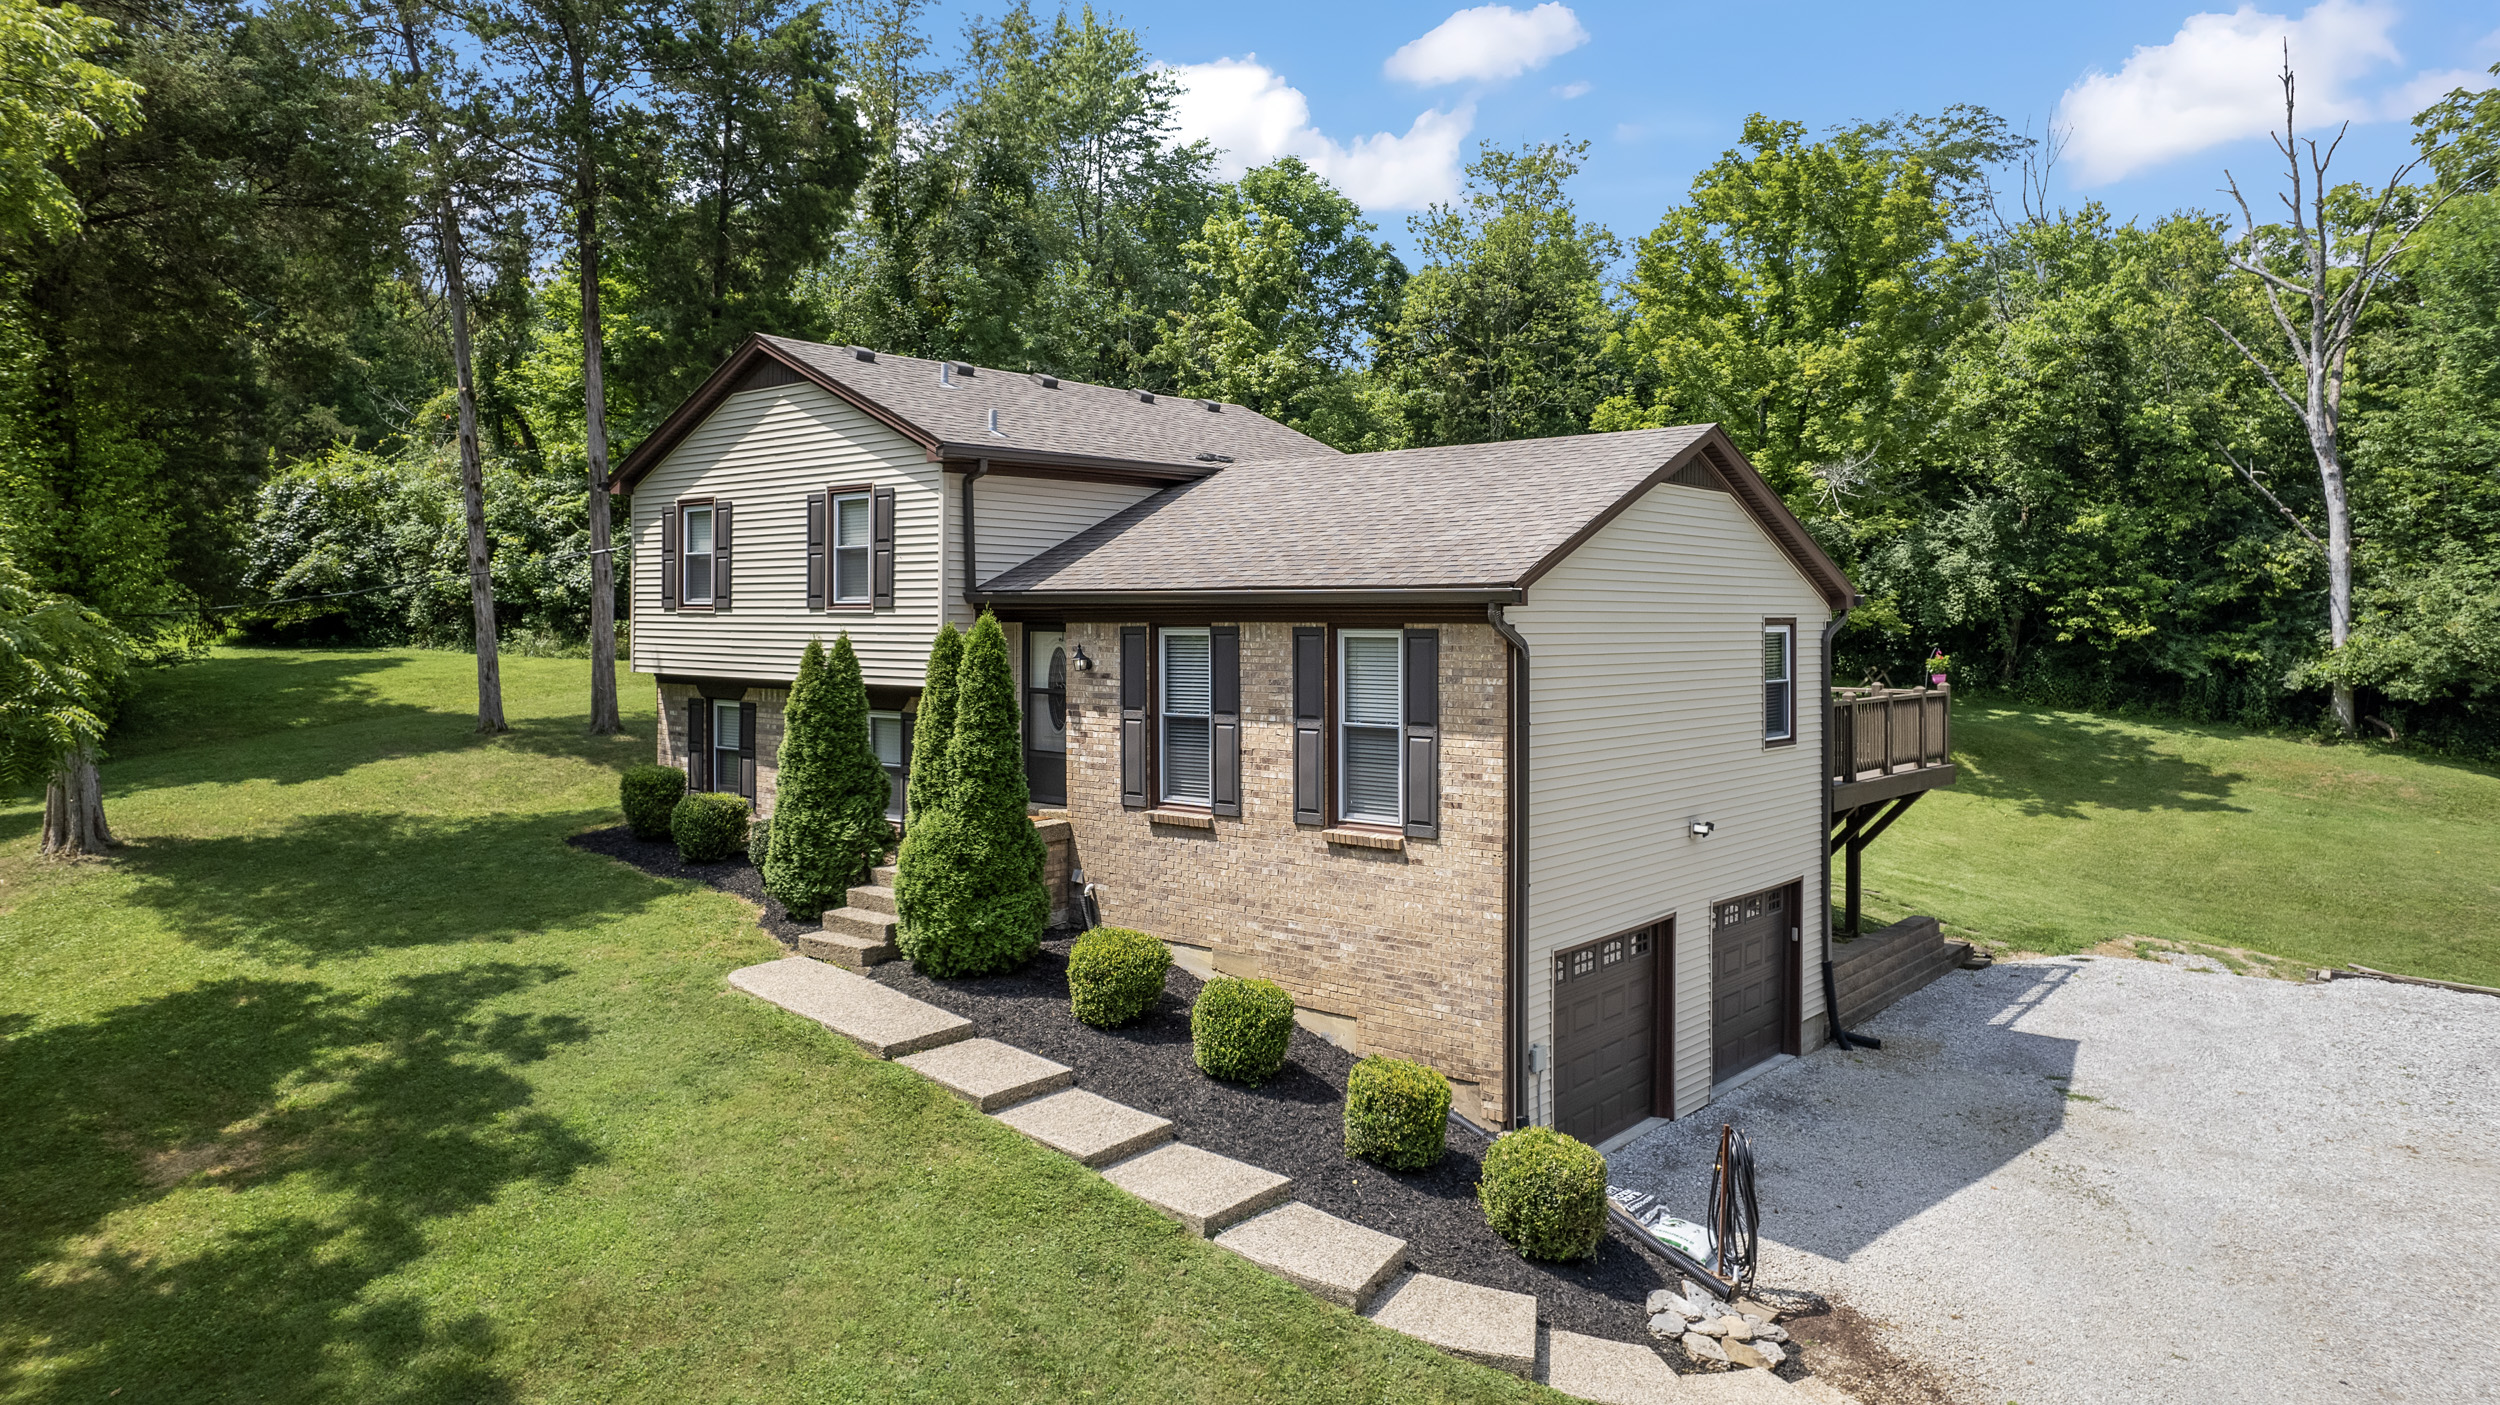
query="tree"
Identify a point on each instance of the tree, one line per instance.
(61, 666)
(974, 868)
(933, 726)
(1504, 330)
(830, 794)
(2338, 249)
(55, 102)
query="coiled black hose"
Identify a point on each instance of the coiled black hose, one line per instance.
(1735, 1217)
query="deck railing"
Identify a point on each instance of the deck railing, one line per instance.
(1880, 731)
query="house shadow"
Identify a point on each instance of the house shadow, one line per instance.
(1848, 1146)
(2056, 764)
(333, 885)
(363, 1117)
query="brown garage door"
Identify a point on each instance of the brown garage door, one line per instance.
(1604, 1034)
(1748, 980)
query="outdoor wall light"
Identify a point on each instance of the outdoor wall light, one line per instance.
(1702, 829)
(1083, 664)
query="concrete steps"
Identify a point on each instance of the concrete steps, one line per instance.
(852, 953)
(987, 1074)
(1607, 1372)
(1333, 1258)
(1206, 1192)
(883, 875)
(1087, 1126)
(873, 897)
(885, 1023)
(1482, 1324)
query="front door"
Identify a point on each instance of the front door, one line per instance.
(1046, 714)
(1748, 980)
(1605, 1038)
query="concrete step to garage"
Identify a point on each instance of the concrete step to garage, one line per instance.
(885, 1023)
(1333, 1258)
(1481, 1324)
(987, 1074)
(1206, 1192)
(873, 897)
(1087, 1126)
(1607, 1372)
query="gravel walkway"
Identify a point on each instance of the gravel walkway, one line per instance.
(2137, 1183)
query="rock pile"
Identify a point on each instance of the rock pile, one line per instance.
(1717, 1335)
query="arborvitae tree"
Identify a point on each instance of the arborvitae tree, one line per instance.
(933, 726)
(829, 815)
(974, 868)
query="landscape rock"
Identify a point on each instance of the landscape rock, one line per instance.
(1771, 1355)
(1663, 1300)
(1710, 1327)
(1752, 1308)
(1702, 1348)
(1736, 1329)
(1770, 1332)
(1666, 1324)
(1743, 1354)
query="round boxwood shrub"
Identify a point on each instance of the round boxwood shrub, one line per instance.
(1545, 1193)
(1396, 1113)
(1240, 1028)
(648, 793)
(709, 826)
(1114, 975)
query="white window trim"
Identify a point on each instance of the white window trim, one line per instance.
(1164, 716)
(833, 550)
(686, 556)
(1788, 656)
(725, 780)
(1345, 812)
(894, 811)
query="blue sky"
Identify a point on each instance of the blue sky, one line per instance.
(1390, 99)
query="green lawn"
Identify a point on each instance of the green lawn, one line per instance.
(2068, 830)
(349, 1081)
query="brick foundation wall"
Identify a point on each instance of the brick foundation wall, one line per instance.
(768, 702)
(1409, 942)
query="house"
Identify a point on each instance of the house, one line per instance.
(1505, 758)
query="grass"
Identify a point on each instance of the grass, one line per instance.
(349, 1080)
(2067, 831)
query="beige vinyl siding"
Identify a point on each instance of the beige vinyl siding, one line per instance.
(766, 451)
(1017, 519)
(1646, 714)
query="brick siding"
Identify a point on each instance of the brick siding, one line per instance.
(768, 702)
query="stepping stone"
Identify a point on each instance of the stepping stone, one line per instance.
(1204, 1191)
(987, 1074)
(1821, 1391)
(1340, 1261)
(886, 1023)
(1093, 1129)
(1737, 1388)
(1610, 1373)
(1481, 1324)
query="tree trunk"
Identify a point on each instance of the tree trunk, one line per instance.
(472, 479)
(2338, 571)
(603, 713)
(73, 809)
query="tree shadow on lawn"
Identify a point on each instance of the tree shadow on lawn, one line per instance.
(346, 884)
(272, 1148)
(2054, 765)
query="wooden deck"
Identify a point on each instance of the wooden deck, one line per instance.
(1889, 742)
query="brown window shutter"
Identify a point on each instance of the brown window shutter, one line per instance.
(1136, 717)
(698, 743)
(816, 506)
(1310, 724)
(1423, 733)
(1224, 678)
(746, 752)
(671, 522)
(720, 553)
(881, 548)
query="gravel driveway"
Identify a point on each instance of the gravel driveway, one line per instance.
(2136, 1183)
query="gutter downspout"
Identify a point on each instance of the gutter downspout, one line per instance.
(1515, 958)
(1823, 834)
(972, 575)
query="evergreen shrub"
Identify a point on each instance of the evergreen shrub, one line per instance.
(971, 867)
(1115, 974)
(933, 725)
(1239, 1029)
(709, 825)
(1545, 1193)
(760, 841)
(647, 794)
(829, 824)
(1396, 1113)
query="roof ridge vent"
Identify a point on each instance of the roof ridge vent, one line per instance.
(1046, 382)
(861, 353)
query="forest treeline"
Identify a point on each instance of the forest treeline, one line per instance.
(237, 239)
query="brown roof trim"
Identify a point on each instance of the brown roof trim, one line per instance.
(1375, 597)
(1748, 487)
(1049, 463)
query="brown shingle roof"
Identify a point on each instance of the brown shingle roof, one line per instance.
(1472, 516)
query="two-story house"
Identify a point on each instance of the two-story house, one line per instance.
(1503, 757)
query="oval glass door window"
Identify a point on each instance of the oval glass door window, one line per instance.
(1046, 714)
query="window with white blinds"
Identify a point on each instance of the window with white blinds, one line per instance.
(851, 528)
(885, 738)
(1370, 710)
(727, 743)
(698, 556)
(1779, 684)
(1188, 717)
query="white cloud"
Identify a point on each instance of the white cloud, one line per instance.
(1488, 43)
(1254, 116)
(1568, 91)
(2216, 82)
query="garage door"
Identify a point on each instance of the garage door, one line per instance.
(1604, 1039)
(1748, 980)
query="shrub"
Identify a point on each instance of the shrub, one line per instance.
(831, 793)
(933, 725)
(1396, 1113)
(1545, 1193)
(1240, 1029)
(709, 825)
(647, 794)
(760, 841)
(970, 887)
(1114, 975)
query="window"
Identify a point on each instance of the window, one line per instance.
(726, 746)
(1188, 717)
(1371, 691)
(851, 531)
(1046, 714)
(885, 738)
(1779, 682)
(697, 587)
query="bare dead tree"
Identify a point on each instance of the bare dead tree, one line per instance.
(2317, 312)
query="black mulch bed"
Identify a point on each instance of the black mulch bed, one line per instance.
(1293, 1124)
